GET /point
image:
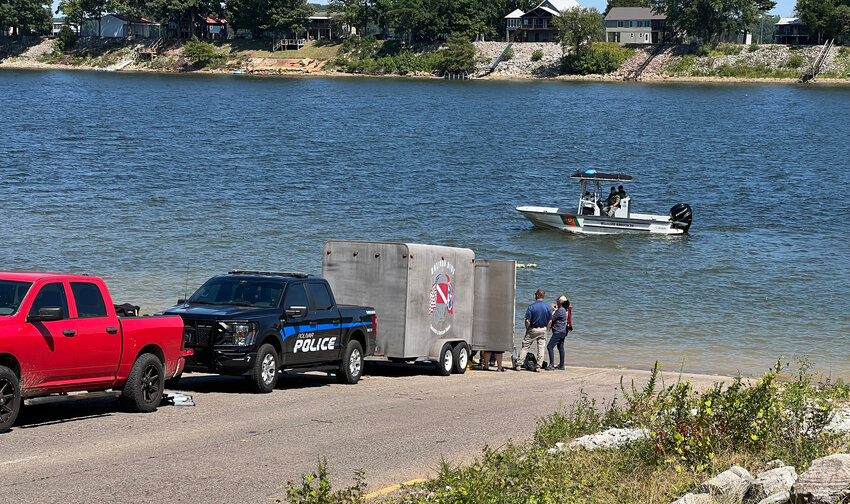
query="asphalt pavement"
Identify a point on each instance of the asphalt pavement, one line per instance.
(234, 446)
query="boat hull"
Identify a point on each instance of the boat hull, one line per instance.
(556, 218)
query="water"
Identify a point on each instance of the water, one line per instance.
(158, 182)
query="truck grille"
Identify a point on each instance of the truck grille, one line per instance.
(199, 334)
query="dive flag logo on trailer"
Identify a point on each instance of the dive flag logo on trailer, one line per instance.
(441, 294)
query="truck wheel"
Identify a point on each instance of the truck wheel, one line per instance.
(173, 381)
(263, 376)
(351, 367)
(10, 398)
(143, 390)
(445, 364)
(461, 357)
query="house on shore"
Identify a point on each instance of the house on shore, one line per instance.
(636, 25)
(791, 31)
(117, 26)
(201, 26)
(58, 23)
(536, 25)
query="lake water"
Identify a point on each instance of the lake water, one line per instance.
(158, 182)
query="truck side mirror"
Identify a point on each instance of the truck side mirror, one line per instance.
(46, 314)
(181, 301)
(296, 311)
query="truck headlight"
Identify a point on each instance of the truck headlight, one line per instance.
(241, 333)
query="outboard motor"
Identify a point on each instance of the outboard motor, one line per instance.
(681, 215)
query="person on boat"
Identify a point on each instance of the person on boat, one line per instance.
(611, 203)
(621, 192)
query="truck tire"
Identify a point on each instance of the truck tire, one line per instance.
(461, 357)
(351, 367)
(263, 377)
(445, 363)
(143, 391)
(10, 398)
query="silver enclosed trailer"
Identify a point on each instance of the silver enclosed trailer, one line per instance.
(432, 302)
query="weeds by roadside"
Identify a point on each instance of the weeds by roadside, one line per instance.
(691, 434)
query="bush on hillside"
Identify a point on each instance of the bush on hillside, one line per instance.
(509, 54)
(597, 58)
(459, 55)
(203, 53)
(537, 55)
(66, 40)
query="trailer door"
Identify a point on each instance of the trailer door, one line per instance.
(494, 308)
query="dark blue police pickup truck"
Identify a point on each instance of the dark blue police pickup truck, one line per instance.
(255, 323)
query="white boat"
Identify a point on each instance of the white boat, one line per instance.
(590, 217)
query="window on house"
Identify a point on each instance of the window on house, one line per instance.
(619, 24)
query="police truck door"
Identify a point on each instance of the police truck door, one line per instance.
(325, 323)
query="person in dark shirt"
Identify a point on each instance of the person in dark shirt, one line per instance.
(561, 323)
(611, 203)
(538, 318)
(621, 192)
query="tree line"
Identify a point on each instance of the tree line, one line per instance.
(423, 20)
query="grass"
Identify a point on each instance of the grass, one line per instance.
(693, 435)
(320, 50)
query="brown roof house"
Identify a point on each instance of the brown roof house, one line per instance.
(536, 24)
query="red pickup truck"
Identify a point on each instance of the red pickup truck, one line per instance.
(60, 333)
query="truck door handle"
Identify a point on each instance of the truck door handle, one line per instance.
(336, 321)
(69, 332)
(112, 330)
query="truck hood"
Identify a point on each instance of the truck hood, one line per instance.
(205, 311)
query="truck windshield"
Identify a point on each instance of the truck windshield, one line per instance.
(11, 295)
(239, 291)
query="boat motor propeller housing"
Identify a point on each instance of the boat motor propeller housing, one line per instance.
(681, 216)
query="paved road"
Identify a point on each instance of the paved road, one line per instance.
(235, 446)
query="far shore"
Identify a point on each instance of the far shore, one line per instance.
(32, 65)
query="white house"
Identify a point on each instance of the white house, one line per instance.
(116, 25)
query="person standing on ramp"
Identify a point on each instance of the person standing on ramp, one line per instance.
(538, 318)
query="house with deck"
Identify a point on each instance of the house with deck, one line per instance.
(636, 25)
(791, 31)
(536, 24)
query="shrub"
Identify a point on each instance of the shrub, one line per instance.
(704, 50)
(66, 40)
(458, 55)
(537, 55)
(203, 53)
(753, 48)
(597, 58)
(729, 49)
(322, 493)
(794, 61)
(508, 54)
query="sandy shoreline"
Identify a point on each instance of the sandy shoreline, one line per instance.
(32, 65)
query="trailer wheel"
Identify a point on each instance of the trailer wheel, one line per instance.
(143, 391)
(445, 364)
(351, 367)
(263, 376)
(10, 398)
(461, 357)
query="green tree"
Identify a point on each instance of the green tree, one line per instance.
(458, 55)
(707, 19)
(202, 53)
(354, 13)
(289, 16)
(578, 28)
(24, 17)
(73, 11)
(825, 19)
